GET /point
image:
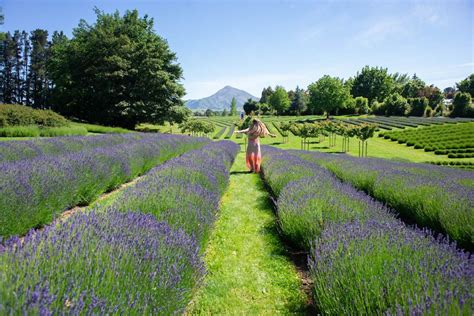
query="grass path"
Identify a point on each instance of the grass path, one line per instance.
(249, 272)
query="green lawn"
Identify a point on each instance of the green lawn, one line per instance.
(249, 272)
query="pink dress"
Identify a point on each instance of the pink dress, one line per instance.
(254, 155)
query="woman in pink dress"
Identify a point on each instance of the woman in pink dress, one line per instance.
(254, 155)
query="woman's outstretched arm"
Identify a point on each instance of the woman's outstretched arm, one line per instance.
(242, 131)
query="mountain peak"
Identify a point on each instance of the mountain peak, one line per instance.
(221, 99)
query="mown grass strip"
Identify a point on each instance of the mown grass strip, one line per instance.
(249, 272)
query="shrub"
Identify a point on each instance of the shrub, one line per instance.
(395, 104)
(418, 106)
(362, 105)
(461, 104)
(20, 115)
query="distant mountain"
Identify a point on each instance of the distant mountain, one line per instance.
(221, 100)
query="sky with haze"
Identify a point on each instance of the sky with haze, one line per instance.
(253, 44)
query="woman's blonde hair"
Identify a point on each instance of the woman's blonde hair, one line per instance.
(258, 129)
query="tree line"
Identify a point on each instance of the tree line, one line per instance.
(117, 71)
(373, 90)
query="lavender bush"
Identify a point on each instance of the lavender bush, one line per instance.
(363, 260)
(26, 149)
(112, 261)
(185, 191)
(384, 268)
(100, 263)
(439, 198)
(32, 191)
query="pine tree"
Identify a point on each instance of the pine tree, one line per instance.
(37, 69)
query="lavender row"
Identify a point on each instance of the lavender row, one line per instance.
(100, 263)
(185, 191)
(439, 198)
(119, 260)
(33, 191)
(27, 149)
(363, 260)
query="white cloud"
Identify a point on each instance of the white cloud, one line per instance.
(391, 26)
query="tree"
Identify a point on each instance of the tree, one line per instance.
(209, 113)
(37, 72)
(418, 106)
(362, 105)
(373, 83)
(413, 88)
(299, 102)
(433, 94)
(266, 93)
(233, 107)
(250, 106)
(7, 68)
(264, 109)
(224, 113)
(117, 71)
(395, 104)
(328, 94)
(467, 85)
(279, 100)
(461, 105)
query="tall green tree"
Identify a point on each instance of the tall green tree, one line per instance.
(328, 94)
(37, 69)
(467, 85)
(233, 107)
(299, 102)
(117, 71)
(279, 100)
(413, 88)
(373, 83)
(266, 93)
(7, 67)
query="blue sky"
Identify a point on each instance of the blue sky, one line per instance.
(253, 44)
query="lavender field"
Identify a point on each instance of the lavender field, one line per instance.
(141, 255)
(379, 236)
(362, 258)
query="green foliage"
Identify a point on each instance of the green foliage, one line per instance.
(99, 129)
(362, 105)
(373, 83)
(117, 71)
(328, 94)
(418, 106)
(395, 104)
(443, 139)
(299, 102)
(462, 105)
(264, 109)
(19, 115)
(279, 100)
(250, 106)
(378, 108)
(197, 127)
(467, 85)
(266, 94)
(413, 88)
(233, 107)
